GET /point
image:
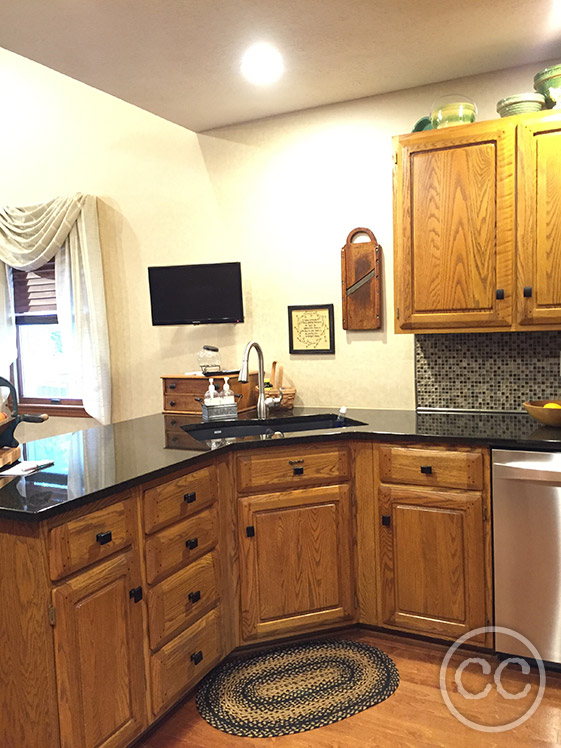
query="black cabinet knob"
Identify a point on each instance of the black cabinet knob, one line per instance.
(136, 594)
(190, 497)
(426, 469)
(196, 657)
(298, 471)
(192, 543)
(194, 597)
(172, 403)
(104, 537)
(172, 386)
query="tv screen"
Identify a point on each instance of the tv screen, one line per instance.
(196, 294)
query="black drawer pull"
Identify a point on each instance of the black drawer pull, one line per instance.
(172, 386)
(500, 293)
(173, 422)
(196, 657)
(194, 597)
(295, 462)
(527, 292)
(426, 469)
(104, 537)
(386, 520)
(192, 543)
(172, 403)
(190, 497)
(298, 471)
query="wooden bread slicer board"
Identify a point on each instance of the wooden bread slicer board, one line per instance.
(360, 280)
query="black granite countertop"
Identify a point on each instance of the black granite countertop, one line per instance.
(99, 461)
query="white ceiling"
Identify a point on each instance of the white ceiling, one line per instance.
(180, 58)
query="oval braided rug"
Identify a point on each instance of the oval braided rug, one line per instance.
(295, 687)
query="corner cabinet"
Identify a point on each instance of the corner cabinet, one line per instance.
(296, 543)
(476, 226)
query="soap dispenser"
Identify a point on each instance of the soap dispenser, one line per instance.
(227, 394)
(210, 397)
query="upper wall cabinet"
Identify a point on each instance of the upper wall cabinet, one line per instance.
(461, 262)
(538, 287)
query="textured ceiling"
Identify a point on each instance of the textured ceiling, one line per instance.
(180, 58)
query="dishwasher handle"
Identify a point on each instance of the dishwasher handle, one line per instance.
(531, 471)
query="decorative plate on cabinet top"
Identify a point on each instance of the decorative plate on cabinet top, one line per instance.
(545, 411)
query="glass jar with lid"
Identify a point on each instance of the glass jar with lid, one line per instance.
(209, 359)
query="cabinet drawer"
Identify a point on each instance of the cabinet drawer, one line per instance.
(178, 498)
(90, 538)
(431, 467)
(181, 543)
(185, 660)
(292, 468)
(182, 599)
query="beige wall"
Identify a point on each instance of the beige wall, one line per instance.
(280, 195)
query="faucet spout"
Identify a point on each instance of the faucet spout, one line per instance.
(243, 376)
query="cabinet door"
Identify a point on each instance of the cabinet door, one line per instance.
(539, 223)
(432, 552)
(454, 228)
(99, 656)
(296, 562)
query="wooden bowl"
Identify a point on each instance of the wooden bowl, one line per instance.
(549, 416)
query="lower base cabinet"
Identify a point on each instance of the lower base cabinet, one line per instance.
(296, 561)
(434, 541)
(99, 656)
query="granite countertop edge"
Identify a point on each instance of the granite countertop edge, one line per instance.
(130, 440)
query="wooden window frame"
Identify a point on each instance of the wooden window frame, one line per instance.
(63, 407)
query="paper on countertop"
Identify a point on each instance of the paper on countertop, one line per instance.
(26, 467)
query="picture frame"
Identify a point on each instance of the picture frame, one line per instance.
(311, 329)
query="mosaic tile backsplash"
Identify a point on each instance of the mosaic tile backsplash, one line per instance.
(487, 371)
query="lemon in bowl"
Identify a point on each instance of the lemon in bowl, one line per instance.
(545, 411)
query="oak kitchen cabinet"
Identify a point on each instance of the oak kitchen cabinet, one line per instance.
(476, 224)
(120, 606)
(434, 539)
(296, 540)
(116, 610)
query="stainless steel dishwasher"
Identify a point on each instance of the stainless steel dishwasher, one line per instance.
(527, 550)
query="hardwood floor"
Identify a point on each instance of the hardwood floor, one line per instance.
(414, 717)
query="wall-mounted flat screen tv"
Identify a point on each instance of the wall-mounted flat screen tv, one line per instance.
(196, 294)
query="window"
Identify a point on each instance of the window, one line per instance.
(45, 376)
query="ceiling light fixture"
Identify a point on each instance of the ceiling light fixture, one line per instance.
(262, 64)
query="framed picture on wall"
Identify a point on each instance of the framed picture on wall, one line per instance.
(311, 329)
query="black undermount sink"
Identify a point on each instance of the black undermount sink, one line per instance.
(268, 426)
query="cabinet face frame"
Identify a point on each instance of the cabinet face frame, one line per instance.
(539, 223)
(440, 145)
(334, 500)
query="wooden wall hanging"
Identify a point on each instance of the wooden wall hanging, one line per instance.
(360, 279)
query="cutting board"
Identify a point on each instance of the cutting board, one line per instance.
(360, 281)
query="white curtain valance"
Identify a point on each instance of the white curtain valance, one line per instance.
(67, 229)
